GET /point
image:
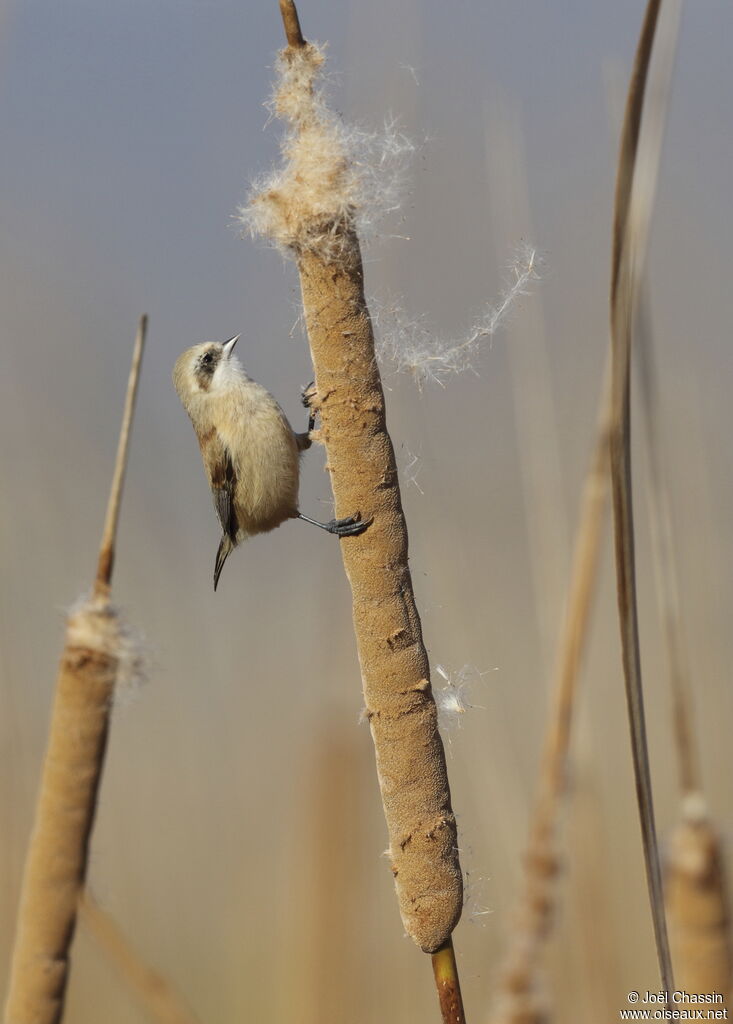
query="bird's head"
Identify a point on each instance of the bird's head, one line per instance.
(207, 368)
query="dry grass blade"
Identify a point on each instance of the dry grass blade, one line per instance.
(624, 290)
(155, 992)
(660, 519)
(520, 999)
(97, 649)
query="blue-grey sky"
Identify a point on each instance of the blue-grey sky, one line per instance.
(130, 133)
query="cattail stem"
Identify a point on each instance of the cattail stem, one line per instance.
(395, 671)
(291, 23)
(56, 863)
(448, 985)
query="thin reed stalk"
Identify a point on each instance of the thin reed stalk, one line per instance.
(309, 210)
(625, 277)
(97, 647)
(520, 999)
(106, 561)
(152, 989)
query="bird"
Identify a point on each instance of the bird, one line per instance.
(251, 453)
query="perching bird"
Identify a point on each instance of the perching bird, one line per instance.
(251, 453)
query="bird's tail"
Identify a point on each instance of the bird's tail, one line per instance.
(225, 547)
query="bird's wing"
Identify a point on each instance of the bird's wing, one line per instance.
(223, 480)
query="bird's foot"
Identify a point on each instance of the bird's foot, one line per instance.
(352, 526)
(308, 395)
(349, 527)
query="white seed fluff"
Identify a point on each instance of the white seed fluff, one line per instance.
(334, 176)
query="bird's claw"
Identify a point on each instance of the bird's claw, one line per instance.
(308, 394)
(352, 526)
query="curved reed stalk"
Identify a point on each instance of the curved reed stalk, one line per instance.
(521, 1000)
(625, 279)
(96, 647)
(696, 890)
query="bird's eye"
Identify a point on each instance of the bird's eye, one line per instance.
(208, 359)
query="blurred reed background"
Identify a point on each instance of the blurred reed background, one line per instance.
(240, 830)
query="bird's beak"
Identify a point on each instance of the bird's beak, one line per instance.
(228, 346)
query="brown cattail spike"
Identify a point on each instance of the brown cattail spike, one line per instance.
(310, 213)
(97, 648)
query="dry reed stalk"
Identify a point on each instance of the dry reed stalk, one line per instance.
(97, 648)
(660, 519)
(630, 215)
(155, 993)
(520, 999)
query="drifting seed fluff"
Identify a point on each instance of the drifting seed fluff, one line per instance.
(411, 464)
(335, 176)
(475, 908)
(410, 346)
(452, 698)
